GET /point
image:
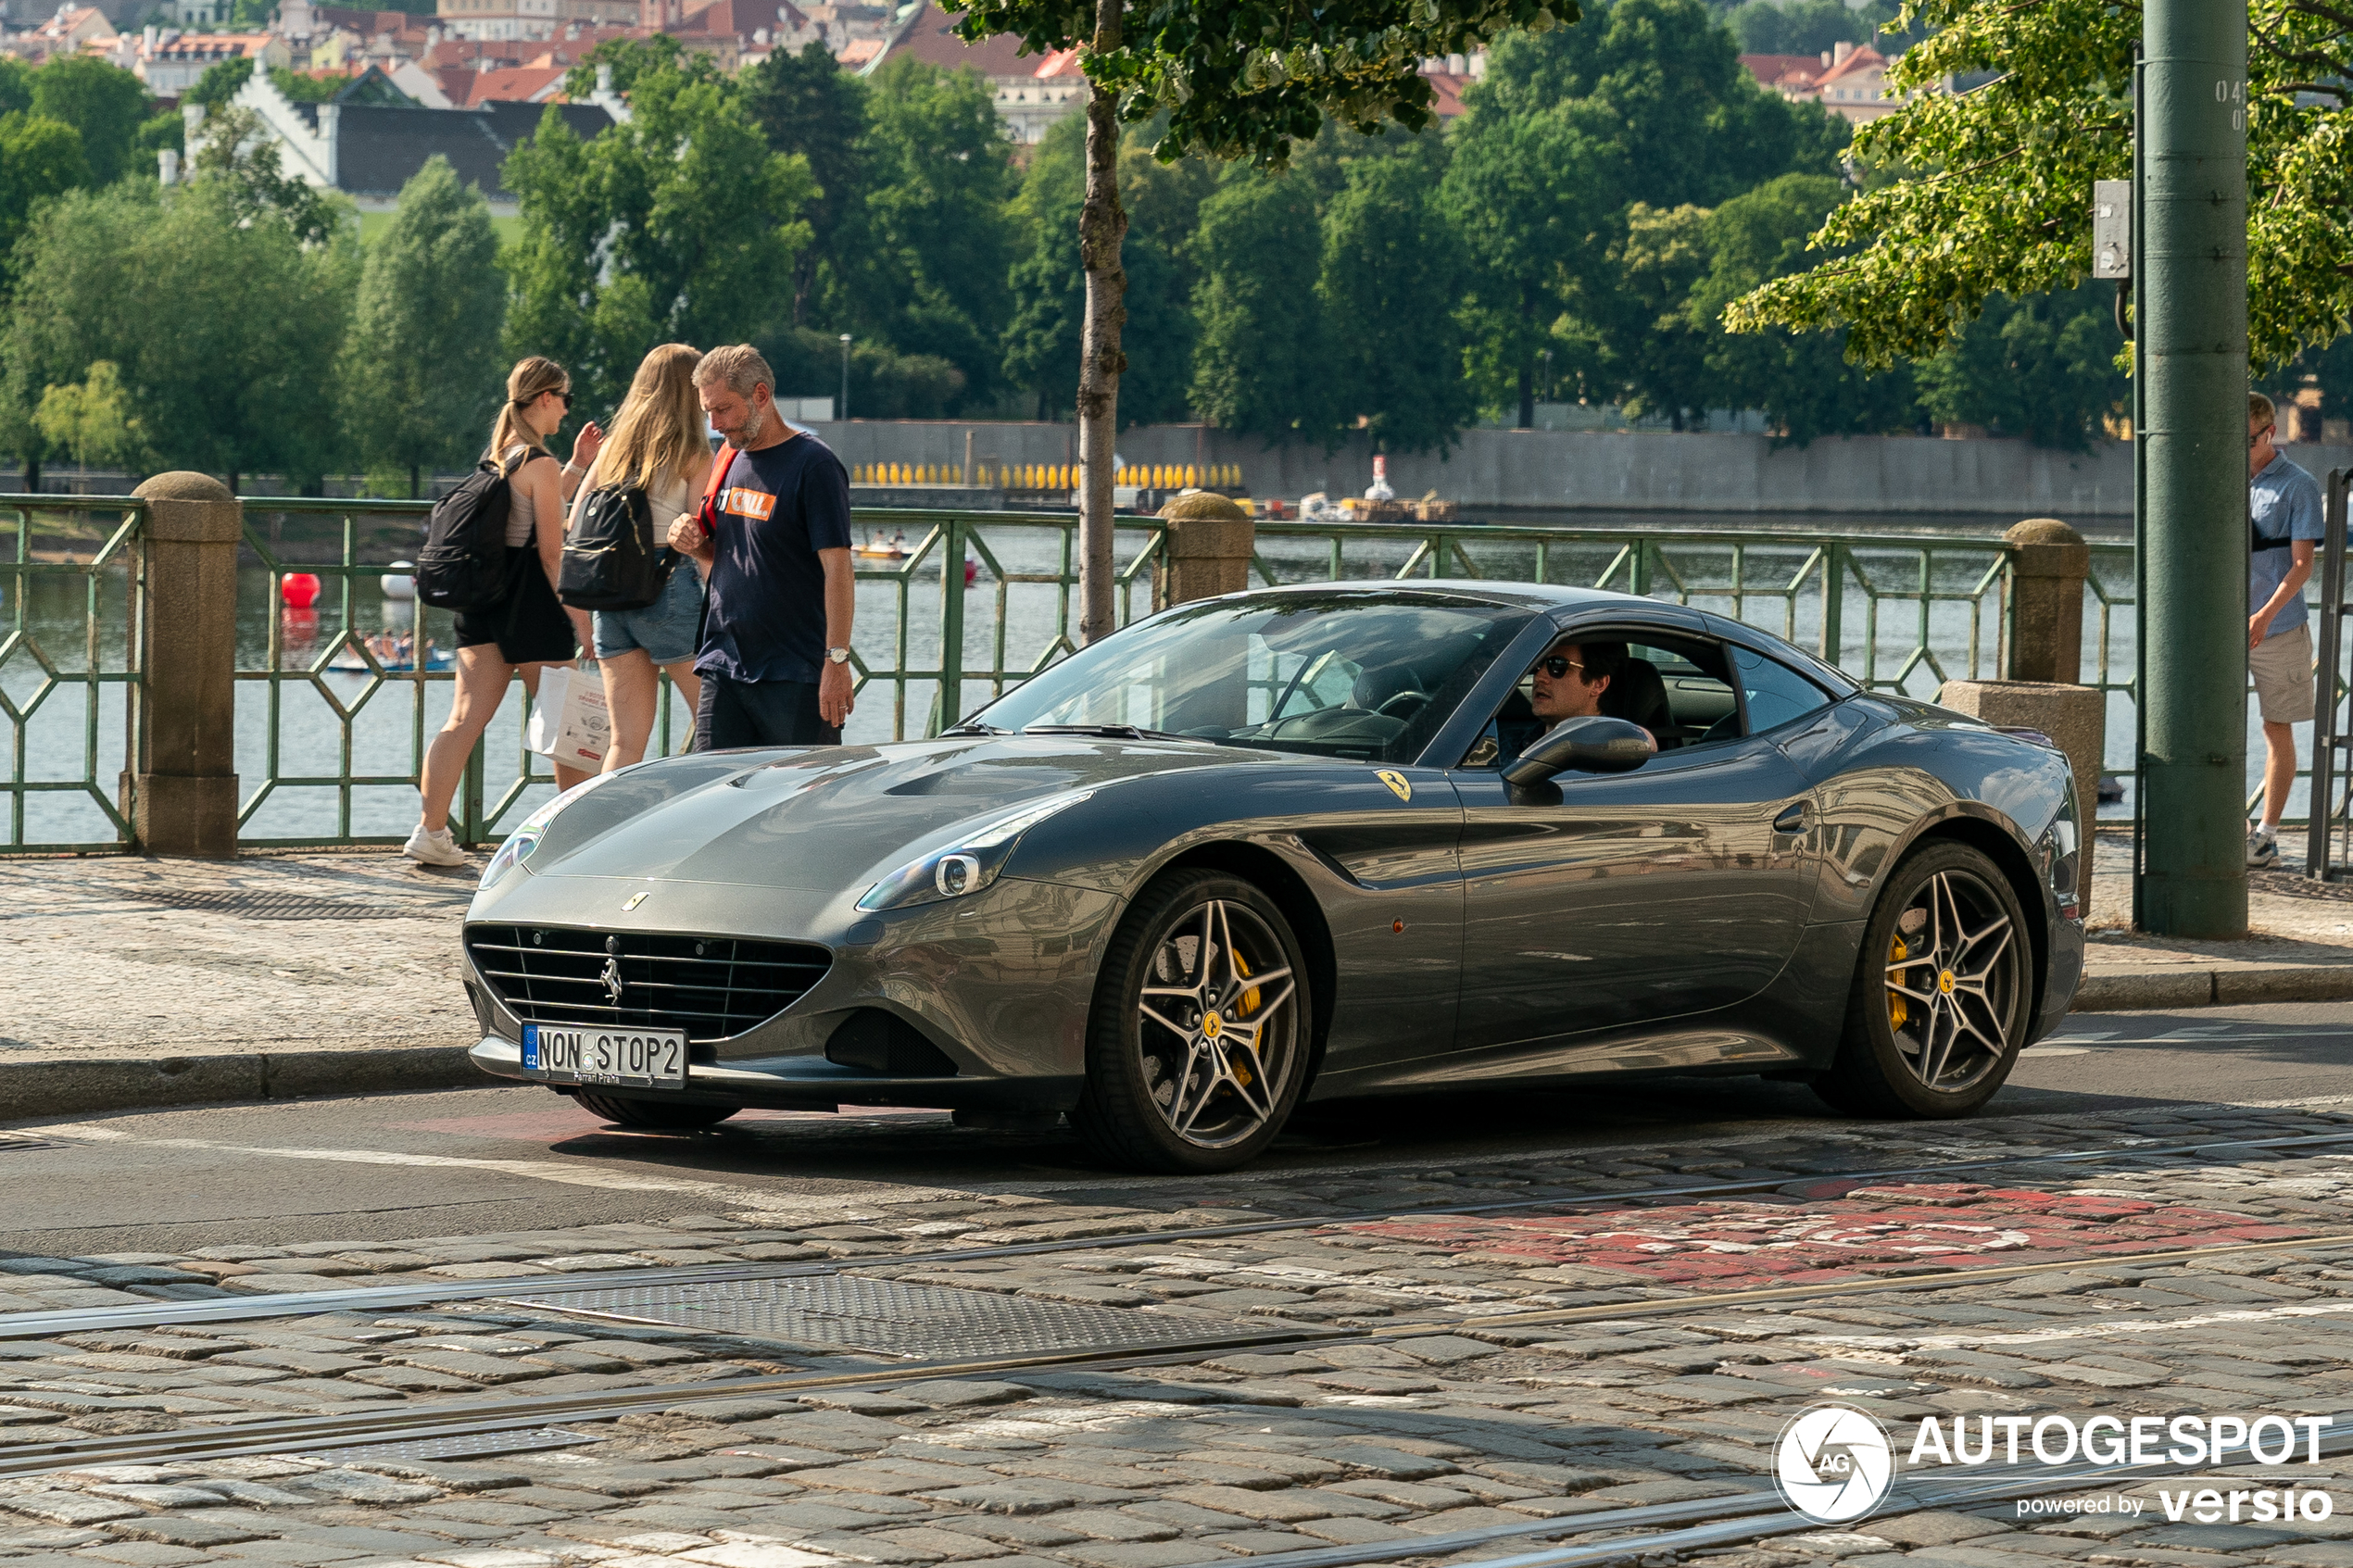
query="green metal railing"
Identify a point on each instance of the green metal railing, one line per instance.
(72, 589)
(1900, 613)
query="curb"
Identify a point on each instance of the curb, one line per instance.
(62, 1089)
(2231, 984)
(58, 1088)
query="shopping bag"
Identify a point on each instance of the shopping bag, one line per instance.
(568, 723)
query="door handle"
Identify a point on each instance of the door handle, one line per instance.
(1791, 820)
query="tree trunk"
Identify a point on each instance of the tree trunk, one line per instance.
(32, 476)
(416, 486)
(1102, 226)
(1527, 358)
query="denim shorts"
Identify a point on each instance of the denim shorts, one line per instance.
(665, 629)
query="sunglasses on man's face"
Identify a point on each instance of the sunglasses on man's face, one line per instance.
(2256, 439)
(1557, 666)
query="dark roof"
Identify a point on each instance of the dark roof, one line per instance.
(377, 149)
(929, 35)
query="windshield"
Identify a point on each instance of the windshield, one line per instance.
(1366, 675)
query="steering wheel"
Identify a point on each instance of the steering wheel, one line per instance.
(1401, 704)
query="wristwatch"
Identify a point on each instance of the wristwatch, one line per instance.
(837, 656)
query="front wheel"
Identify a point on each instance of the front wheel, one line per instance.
(1942, 992)
(1197, 1046)
(669, 1115)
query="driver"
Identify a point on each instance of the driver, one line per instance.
(1571, 678)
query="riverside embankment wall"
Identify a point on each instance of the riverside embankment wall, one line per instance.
(1873, 475)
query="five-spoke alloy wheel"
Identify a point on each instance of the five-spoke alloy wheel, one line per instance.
(1199, 1039)
(1941, 995)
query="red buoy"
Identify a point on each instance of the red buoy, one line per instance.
(298, 590)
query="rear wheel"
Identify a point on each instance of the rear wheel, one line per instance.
(1942, 994)
(669, 1114)
(1197, 1046)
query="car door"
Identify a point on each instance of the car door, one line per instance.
(1678, 889)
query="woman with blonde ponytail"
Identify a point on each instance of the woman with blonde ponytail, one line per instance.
(659, 446)
(528, 628)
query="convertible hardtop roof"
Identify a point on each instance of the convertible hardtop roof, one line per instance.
(1519, 596)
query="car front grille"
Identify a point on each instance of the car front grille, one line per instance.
(711, 986)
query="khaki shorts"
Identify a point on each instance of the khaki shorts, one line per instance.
(2282, 668)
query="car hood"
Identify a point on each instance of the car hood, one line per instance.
(838, 816)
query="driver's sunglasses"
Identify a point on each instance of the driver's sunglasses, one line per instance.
(1557, 666)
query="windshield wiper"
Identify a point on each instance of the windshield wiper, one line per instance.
(974, 727)
(1109, 731)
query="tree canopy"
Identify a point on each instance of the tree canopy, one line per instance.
(2002, 200)
(105, 104)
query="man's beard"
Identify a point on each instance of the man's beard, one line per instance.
(755, 425)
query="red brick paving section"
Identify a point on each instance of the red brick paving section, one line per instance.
(1838, 1231)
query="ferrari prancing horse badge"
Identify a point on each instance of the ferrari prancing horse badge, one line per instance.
(1396, 781)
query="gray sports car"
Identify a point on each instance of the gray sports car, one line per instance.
(1319, 841)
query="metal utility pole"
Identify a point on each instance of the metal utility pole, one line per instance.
(2191, 315)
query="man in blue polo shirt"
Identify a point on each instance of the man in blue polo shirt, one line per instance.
(775, 659)
(2283, 514)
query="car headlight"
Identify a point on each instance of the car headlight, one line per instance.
(966, 866)
(525, 838)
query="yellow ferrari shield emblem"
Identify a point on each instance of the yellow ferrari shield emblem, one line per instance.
(1397, 784)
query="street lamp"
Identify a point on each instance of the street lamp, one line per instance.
(845, 377)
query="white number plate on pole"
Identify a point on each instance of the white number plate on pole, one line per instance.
(562, 1053)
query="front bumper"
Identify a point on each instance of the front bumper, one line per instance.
(1000, 983)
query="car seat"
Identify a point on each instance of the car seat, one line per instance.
(1637, 694)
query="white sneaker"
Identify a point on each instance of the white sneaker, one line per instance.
(433, 848)
(2262, 849)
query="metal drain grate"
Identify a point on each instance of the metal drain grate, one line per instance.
(465, 1444)
(888, 1318)
(290, 906)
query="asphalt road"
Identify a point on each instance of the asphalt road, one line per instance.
(508, 1158)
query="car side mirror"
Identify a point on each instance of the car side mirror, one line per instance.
(1591, 745)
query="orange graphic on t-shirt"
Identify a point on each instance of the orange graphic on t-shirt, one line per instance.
(754, 504)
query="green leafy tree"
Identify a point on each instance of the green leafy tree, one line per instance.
(1260, 368)
(92, 421)
(1811, 27)
(298, 88)
(241, 382)
(1235, 79)
(1802, 380)
(680, 226)
(2043, 368)
(219, 84)
(16, 85)
(163, 130)
(1654, 356)
(40, 158)
(2007, 208)
(107, 105)
(1389, 285)
(935, 241)
(239, 156)
(806, 104)
(421, 371)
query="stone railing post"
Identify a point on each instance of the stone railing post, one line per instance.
(2044, 656)
(1211, 540)
(2049, 564)
(184, 794)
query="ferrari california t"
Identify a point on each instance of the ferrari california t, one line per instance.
(1307, 841)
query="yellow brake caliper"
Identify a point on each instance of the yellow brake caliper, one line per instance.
(1898, 1009)
(1248, 1004)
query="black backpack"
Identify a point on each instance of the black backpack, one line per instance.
(611, 561)
(463, 564)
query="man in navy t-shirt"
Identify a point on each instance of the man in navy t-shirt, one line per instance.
(775, 659)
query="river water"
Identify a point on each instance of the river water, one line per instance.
(321, 713)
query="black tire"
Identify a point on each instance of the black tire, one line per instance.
(670, 1115)
(1942, 994)
(1184, 1089)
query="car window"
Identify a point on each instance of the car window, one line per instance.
(1776, 693)
(1679, 688)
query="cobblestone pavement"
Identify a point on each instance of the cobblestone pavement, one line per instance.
(1432, 1418)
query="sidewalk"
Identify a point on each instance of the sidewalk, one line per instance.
(134, 981)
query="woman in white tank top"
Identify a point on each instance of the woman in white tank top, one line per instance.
(658, 445)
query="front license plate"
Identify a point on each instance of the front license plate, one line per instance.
(566, 1053)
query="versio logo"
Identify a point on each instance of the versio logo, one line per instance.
(1833, 1463)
